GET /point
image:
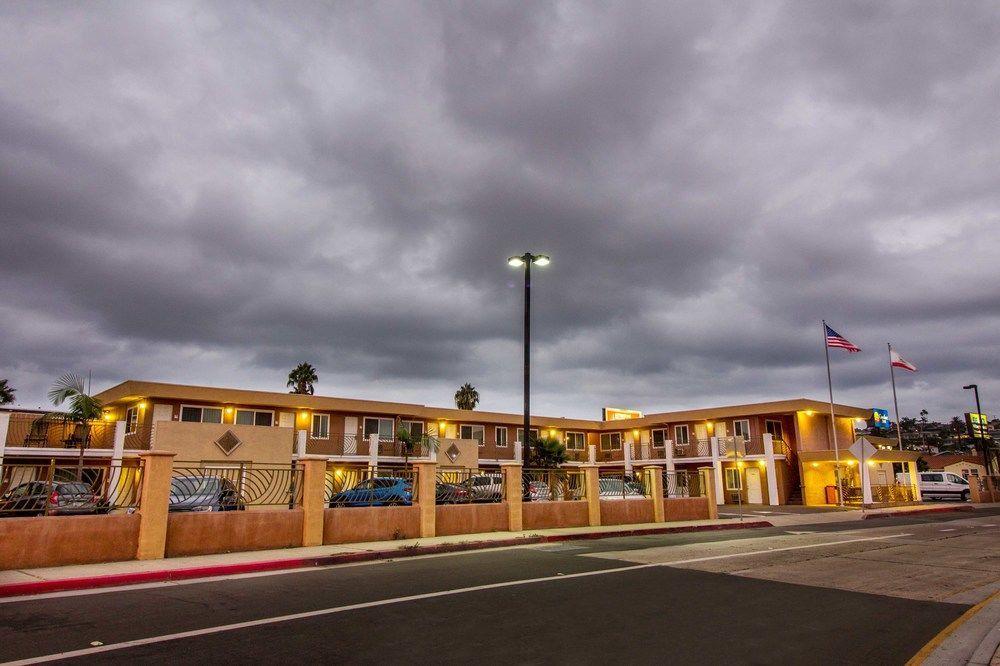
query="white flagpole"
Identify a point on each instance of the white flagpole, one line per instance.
(833, 419)
(895, 402)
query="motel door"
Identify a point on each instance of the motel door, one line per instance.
(754, 495)
(350, 435)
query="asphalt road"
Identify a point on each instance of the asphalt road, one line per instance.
(732, 596)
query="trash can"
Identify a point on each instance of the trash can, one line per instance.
(831, 495)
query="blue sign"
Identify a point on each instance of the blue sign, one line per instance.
(880, 419)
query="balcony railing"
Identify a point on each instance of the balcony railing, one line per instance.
(697, 448)
(58, 432)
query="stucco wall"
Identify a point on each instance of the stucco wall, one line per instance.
(196, 442)
(626, 512)
(814, 432)
(815, 479)
(50, 541)
(685, 508)
(471, 518)
(231, 531)
(542, 515)
(370, 523)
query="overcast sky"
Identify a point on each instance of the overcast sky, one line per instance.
(209, 193)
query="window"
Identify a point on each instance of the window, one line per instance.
(936, 478)
(576, 441)
(741, 428)
(682, 435)
(773, 428)
(415, 428)
(611, 441)
(254, 417)
(381, 427)
(321, 426)
(520, 434)
(476, 432)
(201, 414)
(733, 479)
(659, 438)
(501, 437)
(131, 420)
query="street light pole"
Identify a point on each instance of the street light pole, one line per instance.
(526, 260)
(980, 445)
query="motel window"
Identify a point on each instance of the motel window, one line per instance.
(520, 434)
(733, 479)
(773, 428)
(576, 441)
(415, 428)
(201, 414)
(381, 427)
(256, 417)
(682, 435)
(611, 441)
(741, 428)
(321, 426)
(131, 420)
(476, 432)
(501, 437)
(659, 438)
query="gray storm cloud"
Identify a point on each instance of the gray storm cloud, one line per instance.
(211, 192)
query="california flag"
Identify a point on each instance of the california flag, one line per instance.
(900, 362)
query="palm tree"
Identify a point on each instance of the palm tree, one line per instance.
(467, 397)
(302, 378)
(6, 392)
(82, 409)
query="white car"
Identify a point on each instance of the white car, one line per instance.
(486, 487)
(943, 485)
(618, 489)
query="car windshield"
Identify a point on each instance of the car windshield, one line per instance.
(193, 485)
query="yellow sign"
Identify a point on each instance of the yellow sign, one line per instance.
(978, 425)
(616, 414)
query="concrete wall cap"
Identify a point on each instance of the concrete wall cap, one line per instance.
(153, 454)
(312, 456)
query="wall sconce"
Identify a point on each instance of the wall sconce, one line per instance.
(142, 405)
(635, 434)
(552, 432)
(441, 428)
(229, 410)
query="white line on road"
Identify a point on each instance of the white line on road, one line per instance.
(111, 647)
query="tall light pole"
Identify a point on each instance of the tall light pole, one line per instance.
(979, 443)
(526, 260)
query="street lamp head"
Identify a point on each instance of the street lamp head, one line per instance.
(515, 261)
(541, 259)
(971, 386)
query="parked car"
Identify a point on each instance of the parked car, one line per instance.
(613, 489)
(36, 498)
(486, 487)
(539, 491)
(451, 493)
(943, 485)
(203, 493)
(378, 491)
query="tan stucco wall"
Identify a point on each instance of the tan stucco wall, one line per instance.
(959, 467)
(471, 518)
(542, 515)
(468, 455)
(626, 511)
(685, 508)
(814, 431)
(232, 531)
(49, 541)
(195, 442)
(815, 478)
(370, 523)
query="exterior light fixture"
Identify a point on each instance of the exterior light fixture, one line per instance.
(809, 412)
(526, 260)
(229, 410)
(142, 405)
(552, 432)
(441, 427)
(635, 434)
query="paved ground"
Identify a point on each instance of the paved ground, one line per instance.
(872, 592)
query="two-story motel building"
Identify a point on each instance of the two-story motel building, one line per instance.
(776, 452)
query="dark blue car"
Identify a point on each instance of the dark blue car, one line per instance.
(380, 491)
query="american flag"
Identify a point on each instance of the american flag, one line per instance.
(834, 339)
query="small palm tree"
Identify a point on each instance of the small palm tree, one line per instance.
(70, 387)
(302, 378)
(6, 392)
(467, 397)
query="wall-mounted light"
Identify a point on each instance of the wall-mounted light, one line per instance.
(809, 412)
(762, 463)
(815, 464)
(229, 410)
(142, 405)
(635, 434)
(441, 427)
(303, 415)
(552, 432)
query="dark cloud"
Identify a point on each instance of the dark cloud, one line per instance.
(212, 192)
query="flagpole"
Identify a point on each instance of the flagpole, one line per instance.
(895, 402)
(833, 419)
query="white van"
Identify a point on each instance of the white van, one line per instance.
(943, 485)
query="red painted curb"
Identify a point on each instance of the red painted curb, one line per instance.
(918, 512)
(163, 575)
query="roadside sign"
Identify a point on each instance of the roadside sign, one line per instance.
(976, 425)
(618, 414)
(880, 419)
(862, 449)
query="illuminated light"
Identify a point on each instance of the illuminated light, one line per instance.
(852, 463)
(762, 463)
(635, 433)
(229, 410)
(871, 463)
(303, 415)
(142, 405)
(740, 464)
(552, 432)
(515, 261)
(338, 473)
(815, 464)
(108, 416)
(809, 412)
(441, 426)
(542, 260)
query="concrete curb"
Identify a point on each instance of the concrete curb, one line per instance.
(163, 575)
(918, 512)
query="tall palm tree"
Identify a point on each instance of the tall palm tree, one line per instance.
(302, 378)
(467, 397)
(6, 392)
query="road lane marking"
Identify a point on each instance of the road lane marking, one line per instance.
(206, 631)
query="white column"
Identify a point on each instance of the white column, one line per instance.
(720, 493)
(519, 452)
(117, 451)
(866, 483)
(627, 454)
(300, 443)
(592, 454)
(668, 452)
(373, 450)
(772, 475)
(4, 427)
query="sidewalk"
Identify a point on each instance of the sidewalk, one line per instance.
(85, 576)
